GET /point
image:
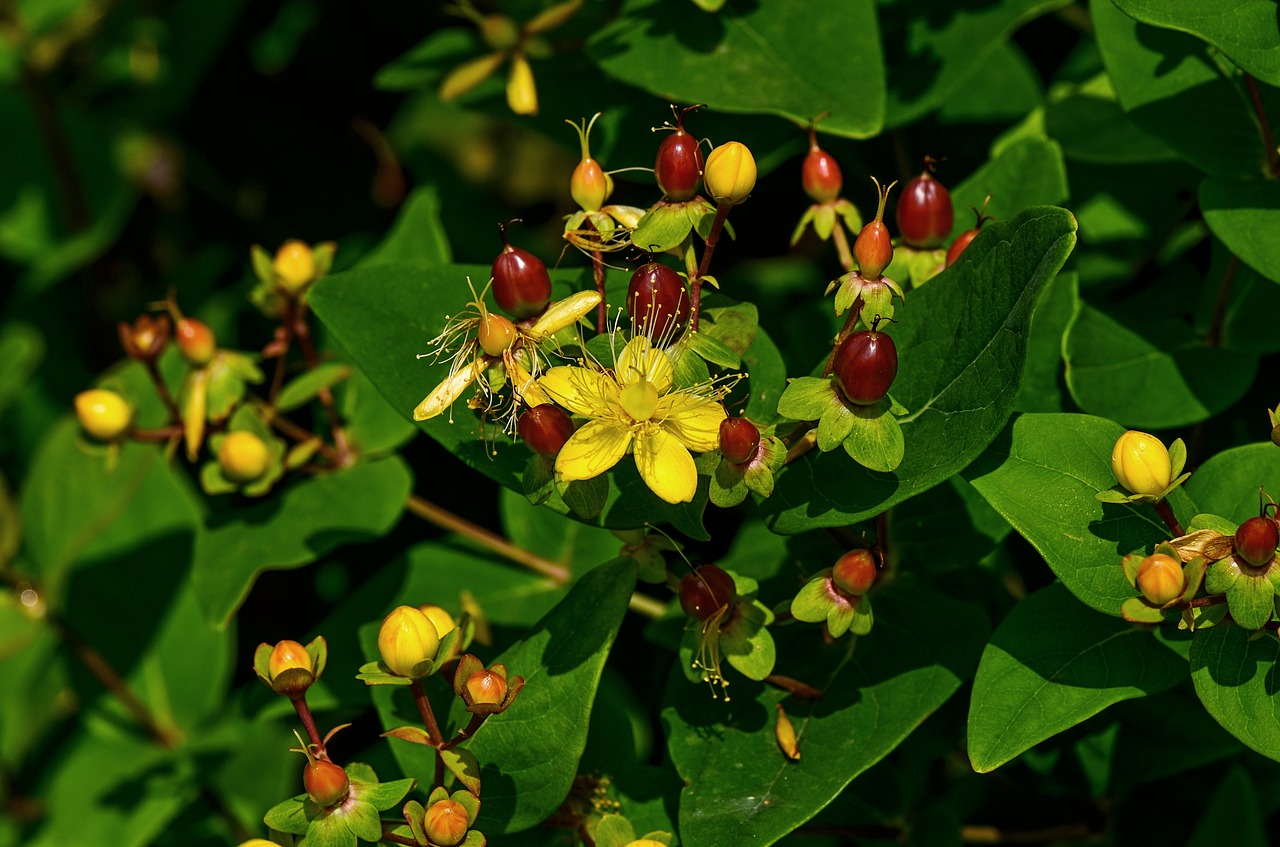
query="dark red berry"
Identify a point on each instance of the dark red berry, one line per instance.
(1256, 541)
(739, 440)
(873, 248)
(820, 174)
(326, 783)
(658, 303)
(866, 364)
(678, 167)
(521, 284)
(706, 591)
(855, 572)
(544, 429)
(925, 214)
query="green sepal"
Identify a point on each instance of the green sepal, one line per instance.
(1138, 610)
(585, 496)
(713, 350)
(302, 452)
(1192, 578)
(376, 673)
(875, 440)
(746, 643)
(383, 795)
(1218, 524)
(288, 816)
(322, 257)
(412, 734)
(728, 485)
(310, 383)
(853, 616)
(468, 801)
(824, 220)
(834, 426)
(363, 822)
(1112, 495)
(462, 763)
(659, 836)
(849, 214)
(228, 375)
(1251, 601)
(1177, 460)
(805, 219)
(539, 479)
(330, 830)
(769, 461)
(614, 831)
(263, 267)
(848, 289)
(877, 302)
(474, 839)
(813, 602)
(806, 398)
(245, 419)
(917, 266)
(1131, 563)
(415, 815)
(664, 226)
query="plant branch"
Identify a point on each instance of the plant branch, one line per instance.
(1213, 338)
(433, 728)
(302, 331)
(299, 433)
(397, 839)
(1202, 602)
(643, 604)
(1268, 140)
(1166, 514)
(695, 283)
(313, 732)
(489, 540)
(153, 369)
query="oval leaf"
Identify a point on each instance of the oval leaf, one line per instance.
(1235, 679)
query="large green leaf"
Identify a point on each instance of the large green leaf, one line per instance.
(1027, 173)
(1247, 31)
(755, 57)
(529, 754)
(740, 789)
(1043, 377)
(1234, 677)
(1053, 663)
(1092, 127)
(1161, 77)
(416, 235)
(293, 528)
(1042, 473)
(1232, 815)
(962, 343)
(1246, 217)
(1227, 484)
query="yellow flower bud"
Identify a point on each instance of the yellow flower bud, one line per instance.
(1141, 463)
(286, 656)
(522, 92)
(259, 842)
(1160, 579)
(244, 456)
(486, 688)
(730, 173)
(407, 639)
(446, 823)
(104, 415)
(294, 266)
(589, 185)
(440, 619)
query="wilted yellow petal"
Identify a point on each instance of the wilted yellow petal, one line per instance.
(523, 384)
(666, 466)
(581, 390)
(446, 392)
(552, 17)
(592, 450)
(639, 359)
(786, 735)
(522, 93)
(628, 216)
(695, 421)
(563, 313)
(194, 409)
(468, 75)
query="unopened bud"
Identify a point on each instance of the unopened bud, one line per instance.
(103, 415)
(1141, 463)
(326, 783)
(486, 688)
(1160, 579)
(406, 640)
(730, 173)
(196, 341)
(446, 823)
(244, 457)
(288, 655)
(294, 266)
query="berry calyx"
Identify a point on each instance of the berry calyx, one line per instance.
(446, 823)
(965, 238)
(658, 303)
(521, 284)
(590, 186)
(873, 248)
(925, 214)
(1256, 541)
(486, 688)
(145, 338)
(730, 173)
(103, 415)
(820, 174)
(739, 440)
(326, 783)
(1160, 579)
(406, 640)
(706, 591)
(678, 167)
(544, 429)
(195, 341)
(855, 572)
(244, 457)
(865, 365)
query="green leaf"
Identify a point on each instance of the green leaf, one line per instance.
(757, 58)
(1247, 32)
(960, 393)
(739, 788)
(1152, 373)
(555, 537)
(305, 521)
(383, 795)
(947, 528)
(1042, 473)
(1041, 381)
(417, 234)
(22, 348)
(1232, 815)
(1227, 484)
(1234, 678)
(1246, 217)
(662, 228)
(1006, 70)
(288, 816)
(1091, 126)
(306, 386)
(1052, 663)
(713, 350)
(1028, 173)
(462, 763)
(528, 774)
(875, 438)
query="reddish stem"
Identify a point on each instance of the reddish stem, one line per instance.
(881, 547)
(1213, 338)
(1166, 514)
(1268, 140)
(160, 434)
(695, 284)
(1201, 602)
(175, 416)
(309, 723)
(302, 331)
(469, 730)
(397, 839)
(433, 728)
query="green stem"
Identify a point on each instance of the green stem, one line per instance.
(302, 332)
(842, 246)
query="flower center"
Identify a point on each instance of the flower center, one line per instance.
(640, 400)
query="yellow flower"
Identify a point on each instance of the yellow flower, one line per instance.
(634, 407)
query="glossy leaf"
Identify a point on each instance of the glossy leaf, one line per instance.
(1053, 663)
(1027, 173)
(1234, 678)
(1246, 217)
(959, 392)
(1227, 484)
(1043, 377)
(1247, 32)
(1233, 814)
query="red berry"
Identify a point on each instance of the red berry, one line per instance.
(678, 167)
(706, 591)
(326, 783)
(739, 440)
(962, 240)
(820, 174)
(925, 214)
(658, 303)
(855, 572)
(1256, 541)
(873, 248)
(195, 341)
(544, 429)
(521, 284)
(866, 364)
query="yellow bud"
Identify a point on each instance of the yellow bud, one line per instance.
(522, 93)
(440, 619)
(1160, 579)
(294, 266)
(259, 842)
(730, 173)
(645, 842)
(244, 456)
(286, 656)
(407, 638)
(486, 688)
(1141, 463)
(589, 185)
(446, 823)
(104, 415)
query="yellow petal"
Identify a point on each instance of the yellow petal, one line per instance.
(522, 94)
(694, 420)
(449, 390)
(592, 450)
(666, 466)
(522, 383)
(468, 75)
(640, 359)
(563, 313)
(581, 390)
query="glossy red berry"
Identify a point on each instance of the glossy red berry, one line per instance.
(865, 365)
(521, 284)
(544, 429)
(925, 214)
(706, 591)
(963, 239)
(678, 168)
(873, 248)
(820, 174)
(739, 440)
(658, 303)
(326, 783)
(1256, 541)
(855, 572)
